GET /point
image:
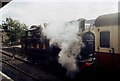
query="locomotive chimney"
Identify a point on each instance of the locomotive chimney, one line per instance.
(45, 25)
(81, 24)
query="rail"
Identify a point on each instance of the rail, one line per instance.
(16, 68)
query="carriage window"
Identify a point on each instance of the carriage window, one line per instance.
(105, 39)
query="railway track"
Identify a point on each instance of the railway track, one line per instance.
(45, 73)
(28, 62)
(18, 69)
(3, 60)
(15, 56)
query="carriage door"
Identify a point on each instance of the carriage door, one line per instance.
(104, 48)
(104, 40)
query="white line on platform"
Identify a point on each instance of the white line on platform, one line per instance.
(5, 76)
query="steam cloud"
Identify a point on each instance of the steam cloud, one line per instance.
(67, 36)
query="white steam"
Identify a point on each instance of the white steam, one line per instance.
(67, 36)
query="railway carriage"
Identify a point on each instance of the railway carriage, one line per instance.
(107, 40)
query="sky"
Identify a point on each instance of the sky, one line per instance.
(35, 12)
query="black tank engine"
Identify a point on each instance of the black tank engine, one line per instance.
(36, 46)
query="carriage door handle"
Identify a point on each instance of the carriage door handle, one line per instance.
(113, 51)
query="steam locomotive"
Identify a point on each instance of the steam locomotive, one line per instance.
(37, 49)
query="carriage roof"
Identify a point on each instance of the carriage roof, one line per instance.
(108, 20)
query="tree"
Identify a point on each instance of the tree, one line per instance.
(14, 29)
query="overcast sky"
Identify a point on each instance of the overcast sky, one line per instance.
(37, 12)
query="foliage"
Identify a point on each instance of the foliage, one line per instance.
(14, 29)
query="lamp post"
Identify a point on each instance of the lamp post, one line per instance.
(1, 37)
